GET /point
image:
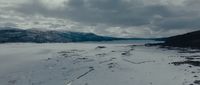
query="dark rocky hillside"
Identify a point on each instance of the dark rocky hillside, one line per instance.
(191, 40)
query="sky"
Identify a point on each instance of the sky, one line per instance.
(116, 18)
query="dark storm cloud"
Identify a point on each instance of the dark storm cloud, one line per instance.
(185, 23)
(111, 12)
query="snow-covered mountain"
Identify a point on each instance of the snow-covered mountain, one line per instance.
(40, 36)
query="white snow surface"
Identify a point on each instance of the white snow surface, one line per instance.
(88, 64)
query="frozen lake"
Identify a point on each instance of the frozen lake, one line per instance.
(89, 63)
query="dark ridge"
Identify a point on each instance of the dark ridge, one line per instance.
(188, 40)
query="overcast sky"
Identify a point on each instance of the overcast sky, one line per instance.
(118, 18)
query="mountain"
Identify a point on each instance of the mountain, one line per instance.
(191, 40)
(8, 34)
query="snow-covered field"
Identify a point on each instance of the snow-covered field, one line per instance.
(94, 64)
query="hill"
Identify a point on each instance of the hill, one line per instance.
(38, 36)
(191, 40)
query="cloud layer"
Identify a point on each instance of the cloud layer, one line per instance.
(121, 18)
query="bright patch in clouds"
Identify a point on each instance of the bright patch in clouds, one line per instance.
(54, 4)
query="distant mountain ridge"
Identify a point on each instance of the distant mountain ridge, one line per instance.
(9, 34)
(191, 40)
